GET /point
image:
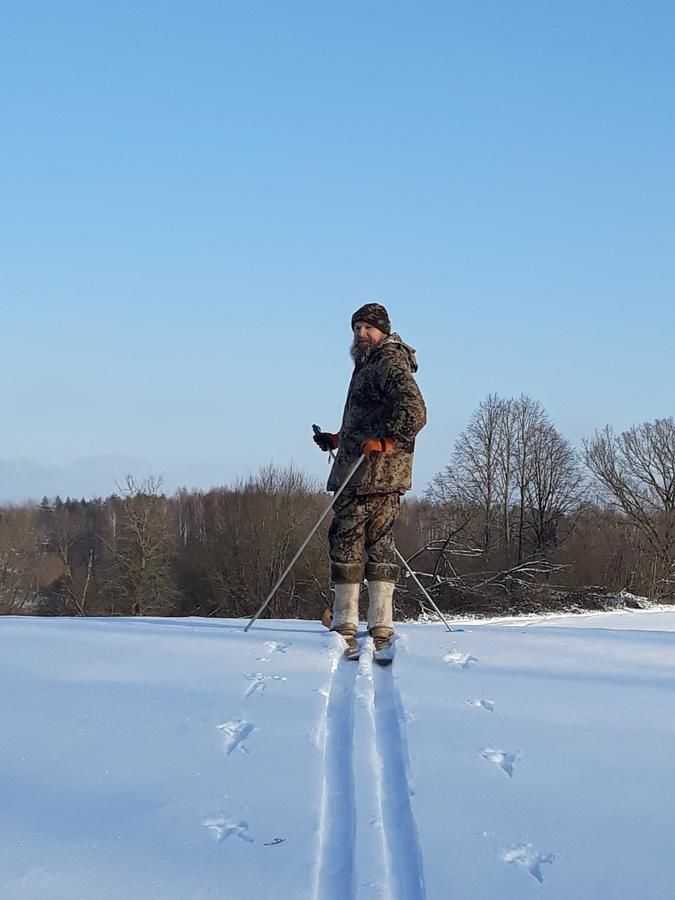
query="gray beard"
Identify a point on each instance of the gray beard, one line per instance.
(360, 353)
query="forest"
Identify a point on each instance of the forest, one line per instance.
(519, 520)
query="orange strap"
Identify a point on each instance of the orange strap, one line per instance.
(377, 445)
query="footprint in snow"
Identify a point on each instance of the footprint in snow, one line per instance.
(223, 828)
(273, 647)
(505, 761)
(526, 855)
(277, 647)
(482, 704)
(459, 660)
(258, 680)
(235, 733)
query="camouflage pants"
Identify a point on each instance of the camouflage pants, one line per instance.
(361, 538)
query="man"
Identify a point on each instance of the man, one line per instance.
(382, 416)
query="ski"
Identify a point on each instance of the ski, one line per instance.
(384, 657)
(352, 650)
(382, 661)
(384, 651)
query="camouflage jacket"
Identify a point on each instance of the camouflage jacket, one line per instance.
(383, 400)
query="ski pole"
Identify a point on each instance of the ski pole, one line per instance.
(288, 568)
(424, 591)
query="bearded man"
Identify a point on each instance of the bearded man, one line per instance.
(383, 413)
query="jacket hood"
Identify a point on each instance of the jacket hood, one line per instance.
(396, 342)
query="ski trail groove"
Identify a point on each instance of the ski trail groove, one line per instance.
(403, 852)
(335, 869)
(372, 869)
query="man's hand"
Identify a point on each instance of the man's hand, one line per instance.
(326, 441)
(371, 446)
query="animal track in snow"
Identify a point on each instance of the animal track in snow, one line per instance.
(258, 680)
(505, 761)
(274, 647)
(482, 704)
(223, 828)
(235, 733)
(526, 855)
(459, 660)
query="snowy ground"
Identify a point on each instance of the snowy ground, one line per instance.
(181, 759)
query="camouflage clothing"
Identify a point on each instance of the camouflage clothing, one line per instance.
(383, 401)
(362, 530)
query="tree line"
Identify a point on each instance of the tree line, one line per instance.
(518, 507)
(518, 519)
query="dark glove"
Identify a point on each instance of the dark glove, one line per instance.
(371, 446)
(326, 441)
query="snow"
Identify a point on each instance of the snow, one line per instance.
(183, 759)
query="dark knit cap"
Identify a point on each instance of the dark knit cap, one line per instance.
(373, 314)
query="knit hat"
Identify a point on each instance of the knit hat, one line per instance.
(373, 314)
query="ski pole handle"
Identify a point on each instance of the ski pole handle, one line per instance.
(317, 430)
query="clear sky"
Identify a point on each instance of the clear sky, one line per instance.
(196, 196)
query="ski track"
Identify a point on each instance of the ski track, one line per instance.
(373, 876)
(368, 842)
(335, 869)
(403, 851)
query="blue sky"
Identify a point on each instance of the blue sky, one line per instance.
(197, 196)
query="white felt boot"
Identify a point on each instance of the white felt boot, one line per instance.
(346, 616)
(380, 605)
(380, 614)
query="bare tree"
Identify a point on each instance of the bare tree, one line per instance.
(141, 537)
(506, 467)
(555, 488)
(528, 418)
(251, 532)
(636, 473)
(472, 480)
(74, 547)
(19, 555)
(512, 490)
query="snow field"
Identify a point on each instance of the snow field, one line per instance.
(181, 759)
(566, 776)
